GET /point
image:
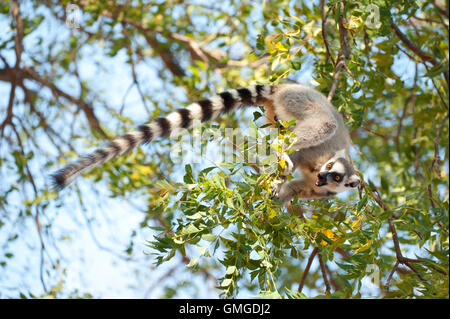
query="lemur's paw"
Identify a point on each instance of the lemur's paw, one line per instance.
(276, 185)
(288, 168)
(282, 191)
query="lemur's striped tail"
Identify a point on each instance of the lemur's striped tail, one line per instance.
(203, 110)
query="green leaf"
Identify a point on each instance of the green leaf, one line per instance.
(269, 295)
(188, 178)
(231, 270)
(226, 282)
(190, 229)
(209, 237)
(193, 262)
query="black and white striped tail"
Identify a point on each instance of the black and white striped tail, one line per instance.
(203, 110)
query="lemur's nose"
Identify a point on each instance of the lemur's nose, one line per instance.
(321, 179)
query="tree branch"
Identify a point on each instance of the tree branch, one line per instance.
(86, 108)
(436, 160)
(197, 51)
(308, 266)
(324, 32)
(324, 274)
(415, 49)
(344, 51)
(442, 10)
(18, 48)
(36, 216)
(400, 258)
(410, 45)
(391, 274)
(28, 73)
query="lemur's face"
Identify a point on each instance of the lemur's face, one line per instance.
(337, 175)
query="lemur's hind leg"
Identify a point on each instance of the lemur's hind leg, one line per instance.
(286, 191)
(278, 186)
(301, 188)
(289, 165)
(291, 161)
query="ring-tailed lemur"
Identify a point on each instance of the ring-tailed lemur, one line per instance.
(322, 146)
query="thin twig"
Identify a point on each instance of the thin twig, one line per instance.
(442, 10)
(436, 88)
(410, 45)
(436, 159)
(324, 32)
(36, 216)
(332, 281)
(87, 109)
(324, 274)
(133, 67)
(344, 51)
(388, 281)
(415, 49)
(308, 266)
(385, 137)
(18, 48)
(400, 258)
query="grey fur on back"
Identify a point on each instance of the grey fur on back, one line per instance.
(320, 128)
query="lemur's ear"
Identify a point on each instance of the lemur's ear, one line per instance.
(340, 153)
(353, 181)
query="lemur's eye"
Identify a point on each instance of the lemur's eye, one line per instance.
(329, 165)
(337, 178)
